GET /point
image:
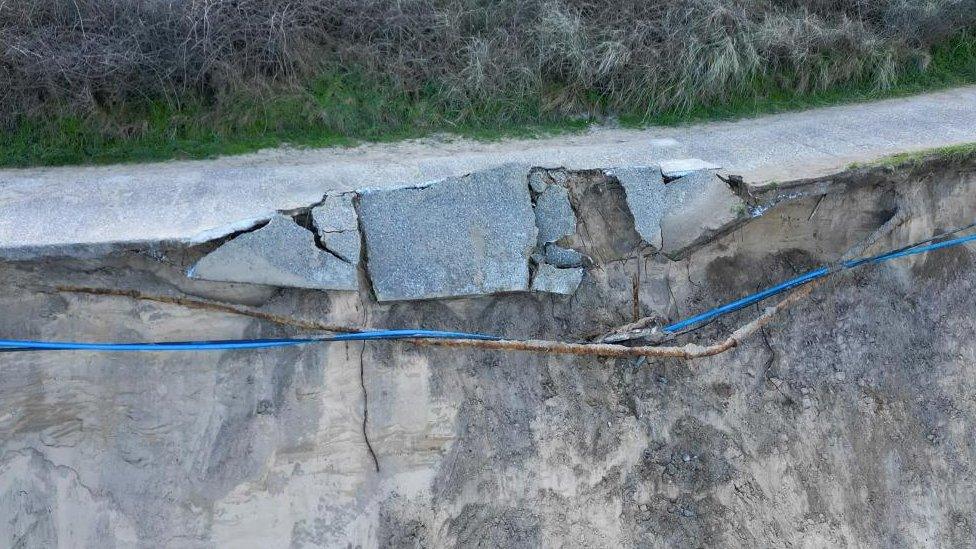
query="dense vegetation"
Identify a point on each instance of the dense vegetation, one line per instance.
(109, 80)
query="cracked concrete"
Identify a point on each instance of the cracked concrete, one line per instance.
(466, 236)
(553, 214)
(447, 238)
(689, 210)
(337, 225)
(647, 198)
(701, 207)
(280, 253)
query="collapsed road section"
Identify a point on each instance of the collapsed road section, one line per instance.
(508, 229)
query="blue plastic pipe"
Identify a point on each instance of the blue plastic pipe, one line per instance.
(12, 344)
(807, 278)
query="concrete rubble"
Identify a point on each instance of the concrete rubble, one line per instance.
(563, 258)
(280, 253)
(558, 270)
(554, 280)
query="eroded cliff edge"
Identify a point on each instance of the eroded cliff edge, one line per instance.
(847, 421)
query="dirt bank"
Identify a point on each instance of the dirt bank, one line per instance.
(848, 421)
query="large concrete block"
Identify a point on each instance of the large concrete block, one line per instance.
(279, 254)
(673, 169)
(462, 236)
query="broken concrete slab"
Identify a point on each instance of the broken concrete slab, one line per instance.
(554, 214)
(235, 448)
(647, 197)
(554, 280)
(337, 225)
(461, 236)
(674, 169)
(701, 208)
(280, 253)
(698, 205)
(564, 258)
(539, 180)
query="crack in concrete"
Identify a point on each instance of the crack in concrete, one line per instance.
(365, 281)
(305, 221)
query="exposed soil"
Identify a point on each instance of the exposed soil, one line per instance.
(847, 422)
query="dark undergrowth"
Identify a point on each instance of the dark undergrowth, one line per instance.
(98, 81)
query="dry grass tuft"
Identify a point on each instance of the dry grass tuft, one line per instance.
(568, 56)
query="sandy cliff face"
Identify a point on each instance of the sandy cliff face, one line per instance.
(848, 421)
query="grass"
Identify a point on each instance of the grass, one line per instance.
(952, 64)
(962, 152)
(346, 108)
(335, 110)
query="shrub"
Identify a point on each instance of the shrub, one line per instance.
(88, 57)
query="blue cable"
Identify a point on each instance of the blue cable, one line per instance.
(11, 344)
(807, 278)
